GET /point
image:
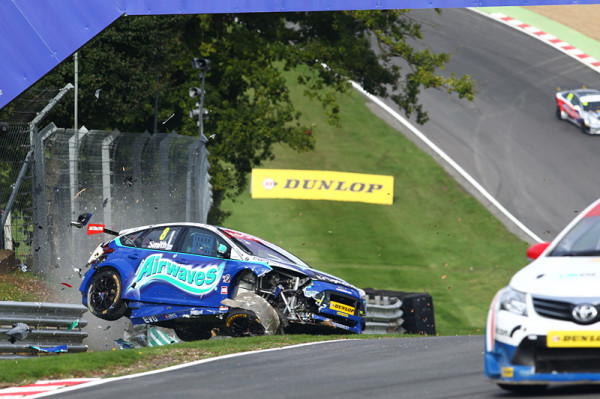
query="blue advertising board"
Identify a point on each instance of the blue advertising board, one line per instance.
(37, 35)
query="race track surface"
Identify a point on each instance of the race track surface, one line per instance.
(539, 168)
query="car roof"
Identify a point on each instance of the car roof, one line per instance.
(591, 98)
(152, 226)
(586, 92)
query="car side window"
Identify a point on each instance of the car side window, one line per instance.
(133, 239)
(162, 238)
(575, 101)
(204, 242)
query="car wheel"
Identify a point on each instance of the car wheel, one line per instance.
(523, 389)
(243, 323)
(584, 128)
(104, 295)
(192, 333)
(559, 114)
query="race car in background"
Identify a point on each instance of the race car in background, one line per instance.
(195, 278)
(544, 327)
(580, 107)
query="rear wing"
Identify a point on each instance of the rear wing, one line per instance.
(84, 219)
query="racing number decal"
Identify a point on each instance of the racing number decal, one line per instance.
(164, 233)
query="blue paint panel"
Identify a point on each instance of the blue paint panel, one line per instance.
(36, 35)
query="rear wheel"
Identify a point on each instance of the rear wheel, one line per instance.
(559, 114)
(104, 295)
(244, 323)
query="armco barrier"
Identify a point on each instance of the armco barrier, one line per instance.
(51, 325)
(417, 310)
(384, 315)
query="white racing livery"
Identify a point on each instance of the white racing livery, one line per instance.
(544, 327)
(580, 107)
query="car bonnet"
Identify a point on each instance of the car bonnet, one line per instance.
(560, 277)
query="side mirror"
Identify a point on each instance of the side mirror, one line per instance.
(82, 220)
(223, 251)
(536, 250)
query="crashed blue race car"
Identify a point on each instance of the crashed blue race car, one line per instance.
(195, 278)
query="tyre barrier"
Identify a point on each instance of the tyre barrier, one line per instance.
(384, 315)
(29, 328)
(417, 311)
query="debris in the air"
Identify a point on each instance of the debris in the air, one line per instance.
(78, 271)
(169, 118)
(19, 332)
(73, 325)
(129, 180)
(104, 203)
(97, 94)
(67, 284)
(77, 195)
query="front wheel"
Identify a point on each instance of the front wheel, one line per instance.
(559, 114)
(244, 323)
(104, 295)
(584, 128)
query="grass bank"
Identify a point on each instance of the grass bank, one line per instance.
(434, 238)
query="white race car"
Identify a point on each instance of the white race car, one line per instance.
(581, 107)
(544, 327)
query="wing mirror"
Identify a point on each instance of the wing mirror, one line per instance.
(536, 250)
(82, 220)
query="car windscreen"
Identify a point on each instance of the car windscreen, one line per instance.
(263, 249)
(593, 106)
(582, 240)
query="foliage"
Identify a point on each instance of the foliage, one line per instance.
(139, 60)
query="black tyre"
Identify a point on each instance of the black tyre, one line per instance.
(243, 323)
(192, 333)
(523, 389)
(584, 129)
(104, 295)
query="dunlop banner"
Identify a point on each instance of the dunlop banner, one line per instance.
(322, 185)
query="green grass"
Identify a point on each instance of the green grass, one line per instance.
(434, 238)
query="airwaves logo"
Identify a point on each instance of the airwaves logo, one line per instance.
(197, 281)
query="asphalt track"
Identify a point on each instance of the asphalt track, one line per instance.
(542, 170)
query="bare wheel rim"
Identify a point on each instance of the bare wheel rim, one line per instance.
(104, 293)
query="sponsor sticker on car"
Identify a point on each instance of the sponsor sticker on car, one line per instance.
(341, 307)
(573, 339)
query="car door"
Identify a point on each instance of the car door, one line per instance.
(203, 257)
(155, 279)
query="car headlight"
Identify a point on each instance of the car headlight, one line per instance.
(514, 302)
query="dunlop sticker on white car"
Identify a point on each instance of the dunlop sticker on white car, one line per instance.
(573, 339)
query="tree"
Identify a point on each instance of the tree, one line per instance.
(139, 58)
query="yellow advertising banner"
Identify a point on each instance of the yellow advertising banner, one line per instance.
(322, 185)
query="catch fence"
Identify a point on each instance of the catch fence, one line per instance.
(51, 175)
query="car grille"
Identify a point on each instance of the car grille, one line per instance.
(562, 310)
(553, 309)
(346, 300)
